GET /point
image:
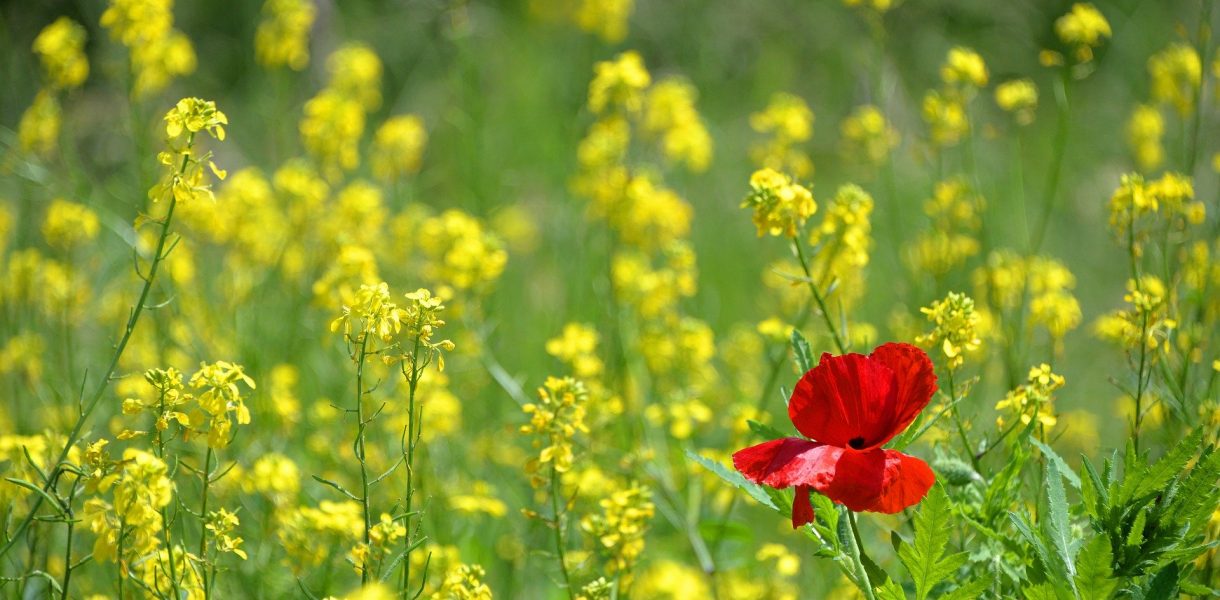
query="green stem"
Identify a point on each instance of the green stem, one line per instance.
(1057, 155)
(203, 535)
(957, 421)
(78, 428)
(358, 449)
(559, 531)
(817, 296)
(862, 579)
(410, 442)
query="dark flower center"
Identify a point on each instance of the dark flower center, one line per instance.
(856, 442)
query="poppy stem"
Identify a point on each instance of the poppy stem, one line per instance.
(817, 296)
(857, 555)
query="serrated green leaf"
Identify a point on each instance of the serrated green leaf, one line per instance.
(1042, 591)
(764, 430)
(1135, 537)
(801, 352)
(890, 591)
(1094, 577)
(970, 591)
(1095, 494)
(1023, 526)
(925, 557)
(1057, 526)
(734, 479)
(1198, 589)
(1164, 586)
(1198, 494)
(1062, 465)
(1142, 479)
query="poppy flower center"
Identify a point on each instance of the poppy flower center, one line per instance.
(856, 443)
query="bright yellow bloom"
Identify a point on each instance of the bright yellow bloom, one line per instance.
(68, 224)
(1083, 28)
(781, 206)
(557, 417)
(964, 68)
(946, 118)
(955, 327)
(61, 47)
(1176, 73)
(1145, 129)
(159, 53)
(788, 122)
(397, 147)
(355, 73)
(1019, 97)
(282, 38)
(606, 18)
(1033, 400)
(577, 347)
(867, 133)
(669, 112)
(618, 85)
(38, 130)
(619, 529)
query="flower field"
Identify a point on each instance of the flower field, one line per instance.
(602, 299)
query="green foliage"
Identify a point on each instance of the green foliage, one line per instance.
(926, 558)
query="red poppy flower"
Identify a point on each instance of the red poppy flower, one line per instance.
(850, 406)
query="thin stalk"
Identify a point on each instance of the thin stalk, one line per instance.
(862, 579)
(205, 572)
(559, 532)
(1057, 155)
(411, 438)
(817, 296)
(87, 408)
(957, 421)
(358, 449)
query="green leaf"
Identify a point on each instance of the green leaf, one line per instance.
(801, 351)
(890, 591)
(1042, 591)
(1164, 586)
(1135, 537)
(1058, 529)
(734, 479)
(1142, 480)
(764, 430)
(1094, 578)
(1062, 465)
(925, 558)
(972, 590)
(1025, 528)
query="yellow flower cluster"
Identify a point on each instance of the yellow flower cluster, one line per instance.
(845, 239)
(221, 399)
(282, 37)
(334, 118)
(654, 292)
(184, 178)
(383, 536)
(780, 205)
(463, 582)
(554, 422)
(618, 85)
(38, 130)
(1018, 97)
(159, 53)
(868, 134)
(955, 328)
(1176, 73)
(61, 48)
(1146, 322)
(1171, 198)
(1033, 400)
(607, 19)
(1008, 279)
(221, 524)
(372, 316)
(787, 122)
(944, 110)
(310, 534)
(954, 210)
(68, 225)
(397, 147)
(670, 115)
(1082, 29)
(133, 521)
(619, 529)
(460, 251)
(576, 347)
(1145, 128)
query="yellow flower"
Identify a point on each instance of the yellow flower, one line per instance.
(618, 85)
(1176, 73)
(38, 130)
(159, 53)
(670, 113)
(282, 37)
(946, 118)
(1145, 129)
(964, 68)
(1019, 97)
(68, 224)
(867, 133)
(61, 47)
(781, 207)
(955, 327)
(397, 147)
(1083, 28)
(788, 122)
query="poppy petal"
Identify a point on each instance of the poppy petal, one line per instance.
(786, 462)
(905, 482)
(856, 480)
(843, 401)
(802, 507)
(914, 384)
